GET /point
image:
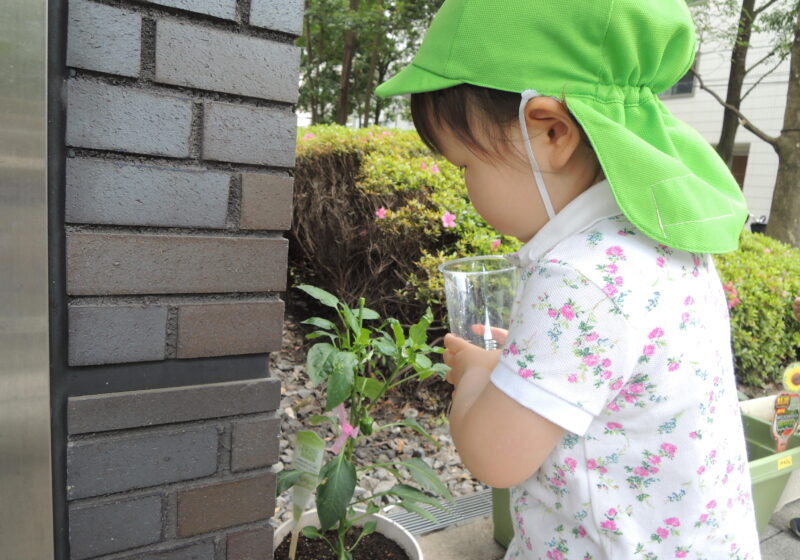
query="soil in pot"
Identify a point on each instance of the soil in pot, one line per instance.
(372, 547)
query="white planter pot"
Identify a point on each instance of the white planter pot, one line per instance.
(386, 527)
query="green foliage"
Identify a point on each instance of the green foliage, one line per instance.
(761, 280)
(363, 358)
(343, 177)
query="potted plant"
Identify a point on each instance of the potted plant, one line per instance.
(357, 361)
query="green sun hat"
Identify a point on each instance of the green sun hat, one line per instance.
(610, 59)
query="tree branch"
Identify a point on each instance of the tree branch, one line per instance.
(772, 52)
(762, 8)
(742, 119)
(761, 79)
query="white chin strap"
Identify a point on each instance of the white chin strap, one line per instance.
(527, 95)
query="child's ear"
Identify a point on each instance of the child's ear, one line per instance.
(557, 132)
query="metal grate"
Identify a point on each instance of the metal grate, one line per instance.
(457, 512)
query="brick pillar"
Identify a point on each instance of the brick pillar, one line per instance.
(179, 130)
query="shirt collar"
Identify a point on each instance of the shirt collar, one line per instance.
(594, 204)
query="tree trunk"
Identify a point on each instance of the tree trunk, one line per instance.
(343, 111)
(310, 62)
(784, 221)
(373, 64)
(730, 121)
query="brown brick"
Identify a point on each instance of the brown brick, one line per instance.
(255, 444)
(225, 504)
(266, 201)
(107, 263)
(251, 545)
(223, 329)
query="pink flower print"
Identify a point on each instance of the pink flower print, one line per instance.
(552, 312)
(616, 385)
(641, 471)
(591, 464)
(613, 406)
(611, 269)
(581, 531)
(610, 290)
(612, 512)
(525, 373)
(704, 518)
(636, 388)
(619, 280)
(680, 553)
(513, 349)
(614, 426)
(572, 378)
(555, 554)
(448, 220)
(656, 333)
(435, 169)
(496, 244)
(649, 350)
(712, 504)
(571, 464)
(606, 363)
(602, 470)
(688, 301)
(654, 459)
(660, 262)
(701, 470)
(606, 374)
(685, 317)
(309, 136)
(610, 525)
(669, 449)
(591, 360)
(673, 366)
(567, 312)
(615, 251)
(591, 337)
(381, 213)
(673, 522)
(424, 166)
(693, 435)
(661, 532)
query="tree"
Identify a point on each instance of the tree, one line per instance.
(783, 22)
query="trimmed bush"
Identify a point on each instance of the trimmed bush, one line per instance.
(376, 213)
(761, 280)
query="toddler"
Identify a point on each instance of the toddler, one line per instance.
(612, 410)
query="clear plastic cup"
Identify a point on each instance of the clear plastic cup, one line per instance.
(480, 293)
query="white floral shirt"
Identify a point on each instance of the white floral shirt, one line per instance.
(625, 343)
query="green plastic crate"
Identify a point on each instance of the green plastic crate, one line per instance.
(769, 472)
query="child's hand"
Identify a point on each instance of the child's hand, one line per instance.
(461, 356)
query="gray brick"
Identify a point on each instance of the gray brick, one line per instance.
(255, 444)
(266, 201)
(104, 38)
(108, 264)
(280, 15)
(243, 134)
(112, 527)
(135, 409)
(111, 335)
(199, 551)
(127, 119)
(199, 57)
(251, 545)
(115, 464)
(224, 9)
(103, 192)
(224, 329)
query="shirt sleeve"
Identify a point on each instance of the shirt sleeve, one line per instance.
(568, 351)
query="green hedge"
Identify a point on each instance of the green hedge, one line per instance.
(761, 280)
(338, 243)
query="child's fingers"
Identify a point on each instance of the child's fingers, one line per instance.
(454, 343)
(500, 335)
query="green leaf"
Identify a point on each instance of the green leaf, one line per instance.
(319, 362)
(421, 361)
(385, 346)
(311, 532)
(340, 382)
(397, 329)
(368, 314)
(414, 508)
(411, 494)
(320, 323)
(335, 491)
(325, 298)
(286, 479)
(414, 425)
(369, 387)
(426, 477)
(351, 320)
(318, 419)
(419, 333)
(369, 528)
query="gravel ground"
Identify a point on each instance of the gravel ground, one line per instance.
(299, 401)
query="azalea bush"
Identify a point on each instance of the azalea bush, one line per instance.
(761, 280)
(376, 213)
(358, 360)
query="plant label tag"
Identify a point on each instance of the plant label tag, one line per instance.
(308, 454)
(787, 414)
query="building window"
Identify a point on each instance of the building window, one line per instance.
(685, 86)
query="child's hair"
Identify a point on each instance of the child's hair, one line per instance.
(458, 108)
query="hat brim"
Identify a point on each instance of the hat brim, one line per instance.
(413, 79)
(666, 177)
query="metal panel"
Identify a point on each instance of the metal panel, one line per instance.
(26, 518)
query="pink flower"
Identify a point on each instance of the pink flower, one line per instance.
(347, 431)
(525, 373)
(703, 518)
(661, 532)
(637, 388)
(616, 385)
(734, 302)
(610, 290)
(386, 133)
(567, 312)
(614, 426)
(685, 317)
(619, 280)
(381, 213)
(552, 312)
(496, 244)
(613, 406)
(673, 522)
(610, 525)
(688, 301)
(680, 554)
(581, 531)
(602, 470)
(673, 366)
(606, 374)
(571, 463)
(654, 459)
(513, 349)
(371, 135)
(641, 471)
(614, 251)
(611, 269)
(656, 333)
(572, 378)
(435, 169)
(591, 360)
(555, 554)
(309, 136)
(660, 262)
(591, 464)
(424, 166)
(612, 512)
(669, 449)
(606, 363)
(693, 435)
(448, 220)
(649, 350)
(767, 251)
(591, 337)
(701, 470)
